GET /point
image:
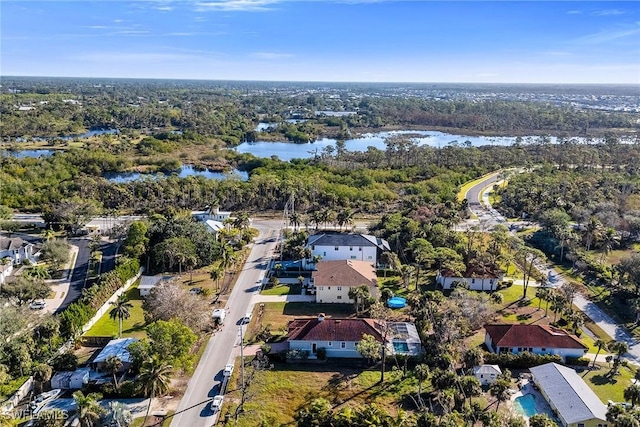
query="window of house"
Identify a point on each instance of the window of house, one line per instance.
(360, 249)
(580, 424)
(343, 344)
(519, 349)
(339, 288)
(473, 281)
(313, 247)
(321, 288)
(339, 297)
(353, 257)
(330, 344)
(543, 349)
(369, 257)
(328, 288)
(481, 376)
(335, 248)
(324, 254)
(350, 248)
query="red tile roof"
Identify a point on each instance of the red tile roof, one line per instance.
(345, 273)
(517, 335)
(332, 329)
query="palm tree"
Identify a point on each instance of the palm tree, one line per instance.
(422, 372)
(120, 311)
(113, 364)
(344, 217)
(592, 232)
(295, 219)
(609, 239)
(48, 234)
(216, 274)
(155, 379)
(500, 390)
(632, 393)
(601, 345)
(89, 410)
(242, 221)
(619, 348)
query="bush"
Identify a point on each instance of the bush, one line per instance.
(321, 354)
(521, 360)
(578, 361)
(65, 362)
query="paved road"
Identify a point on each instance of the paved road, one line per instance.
(489, 217)
(223, 346)
(79, 272)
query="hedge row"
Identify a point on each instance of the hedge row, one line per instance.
(521, 360)
(80, 312)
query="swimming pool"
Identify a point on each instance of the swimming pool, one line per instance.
(525, 405)
(396, 302)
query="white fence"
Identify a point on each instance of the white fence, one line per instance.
(12, 402)
(105, 307)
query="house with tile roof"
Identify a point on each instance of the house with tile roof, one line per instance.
(347, 246)
(536, 339)
(332, 280)
(338, 337)
(571, 399)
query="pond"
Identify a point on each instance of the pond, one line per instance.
(185, 171)
(22, 154)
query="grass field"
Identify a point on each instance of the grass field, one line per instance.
(275, 395)
(131, 327)
(283, 289)
(609, 388)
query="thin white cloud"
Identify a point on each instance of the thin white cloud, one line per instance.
(96, 27)
(609, 35)
(235, 5)
(574, 12)
(557, 53)
(271, 55)
(609, 12)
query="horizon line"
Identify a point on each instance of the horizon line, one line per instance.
(2, 76)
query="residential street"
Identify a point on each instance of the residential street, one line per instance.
(223, 346)
(489, 217)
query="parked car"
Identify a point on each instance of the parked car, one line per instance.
(247, 317)
(216, 404)
(37, 305)
(228, 370)
(195, 291)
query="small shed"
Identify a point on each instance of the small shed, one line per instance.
(486, 374)
(147, 283)
(70, 380)
(117, 348)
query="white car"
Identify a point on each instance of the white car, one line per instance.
(37, 305)
(228, 370)
(216, 404)
(247, 317)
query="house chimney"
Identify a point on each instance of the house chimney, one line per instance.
(320, 317)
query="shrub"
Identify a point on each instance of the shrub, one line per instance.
(521, 360)
(321, 354)
(578, 361)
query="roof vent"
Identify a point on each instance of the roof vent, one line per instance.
(320, 317)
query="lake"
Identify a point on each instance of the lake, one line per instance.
(289, 150)
(92, 132)
(185, 171)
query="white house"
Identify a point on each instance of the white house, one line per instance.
(487, 374)
(333, 280)
(213, 213)
(347, 246)
(16, 249)
(5, 270)
(214, 226)
(476, 281)
(536, 339)
(338, 337)
(571, 399)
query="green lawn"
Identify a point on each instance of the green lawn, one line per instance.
(131, 327)
(283, 289)
(608, 388)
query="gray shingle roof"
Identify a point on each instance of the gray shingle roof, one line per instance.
(348, 239)
(570, 395)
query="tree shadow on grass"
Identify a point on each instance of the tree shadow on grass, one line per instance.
(603, 379)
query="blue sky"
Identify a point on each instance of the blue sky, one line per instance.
(340, 40)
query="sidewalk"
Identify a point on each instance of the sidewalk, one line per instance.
(60, 287)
